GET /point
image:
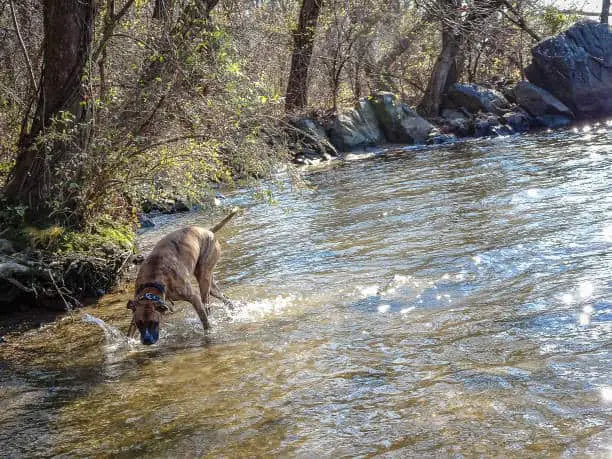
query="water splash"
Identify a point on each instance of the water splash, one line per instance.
(111, 333)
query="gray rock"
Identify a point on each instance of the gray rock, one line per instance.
(552, 121)
(539, 102)
(488, 125)
(399, 122)
(476, 98)
(576, 67)
(6, 247)
(457, 122)
(518, 121)
(145, 222)
(314, 137)
(356, 128)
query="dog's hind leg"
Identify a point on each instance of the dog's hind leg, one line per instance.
(216, 292)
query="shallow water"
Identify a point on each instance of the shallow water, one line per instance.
(449, 301)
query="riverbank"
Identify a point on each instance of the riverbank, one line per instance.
(563, 87)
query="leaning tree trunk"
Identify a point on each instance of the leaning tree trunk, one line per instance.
(41, 167)
(303, 41)
(443, 75)
(605, 11)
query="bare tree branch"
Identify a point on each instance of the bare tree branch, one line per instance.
(23, 47)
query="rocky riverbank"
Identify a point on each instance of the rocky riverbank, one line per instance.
(569, 80)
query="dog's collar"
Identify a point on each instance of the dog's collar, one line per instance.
(161, 288)
(150, 297)
(162, 306)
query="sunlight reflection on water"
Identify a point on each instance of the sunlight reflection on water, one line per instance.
(444, 302)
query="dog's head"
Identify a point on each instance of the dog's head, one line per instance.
(146, 315)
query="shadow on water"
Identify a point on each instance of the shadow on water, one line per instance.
(447, 301)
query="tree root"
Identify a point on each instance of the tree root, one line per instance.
(57, 281)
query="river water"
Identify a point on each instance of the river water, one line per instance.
(448, 301)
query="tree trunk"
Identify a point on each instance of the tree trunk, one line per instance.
(444, 74)
(605, 11)
(68, 28)
(303, 42)
(162, 9)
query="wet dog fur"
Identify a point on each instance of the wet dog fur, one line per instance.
(166, 274)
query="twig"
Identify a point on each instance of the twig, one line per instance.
(107, 32)
(23, 48)
(68, 306)
(123, 264)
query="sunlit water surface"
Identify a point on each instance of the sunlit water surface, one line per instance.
(449, 301)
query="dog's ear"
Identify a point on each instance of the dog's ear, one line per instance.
(131, 304)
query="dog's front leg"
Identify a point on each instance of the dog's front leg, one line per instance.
(132, 329)
(197, 304)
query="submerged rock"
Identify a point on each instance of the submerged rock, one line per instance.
(552, 121)
(576, 67)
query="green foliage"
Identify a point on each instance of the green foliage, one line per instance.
(106, 236)
(554, 21)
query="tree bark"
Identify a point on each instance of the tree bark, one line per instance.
(68, 29)
(449, 64)
(303, 42)
(605, 11)
(162, 9)
(443, 75)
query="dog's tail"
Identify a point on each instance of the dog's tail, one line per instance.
(227, 218)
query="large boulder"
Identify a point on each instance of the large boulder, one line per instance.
(576, 67)
(399, 122)
(539, 102)
(476, 98)
(356, 128)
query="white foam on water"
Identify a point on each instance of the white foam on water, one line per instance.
(585, 289)
(606, 393)
(250, 311)
(367, 290)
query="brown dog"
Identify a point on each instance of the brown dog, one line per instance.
(166, 275)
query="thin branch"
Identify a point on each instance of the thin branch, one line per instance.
(518, 20)
(107, 33)
(23, 47)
